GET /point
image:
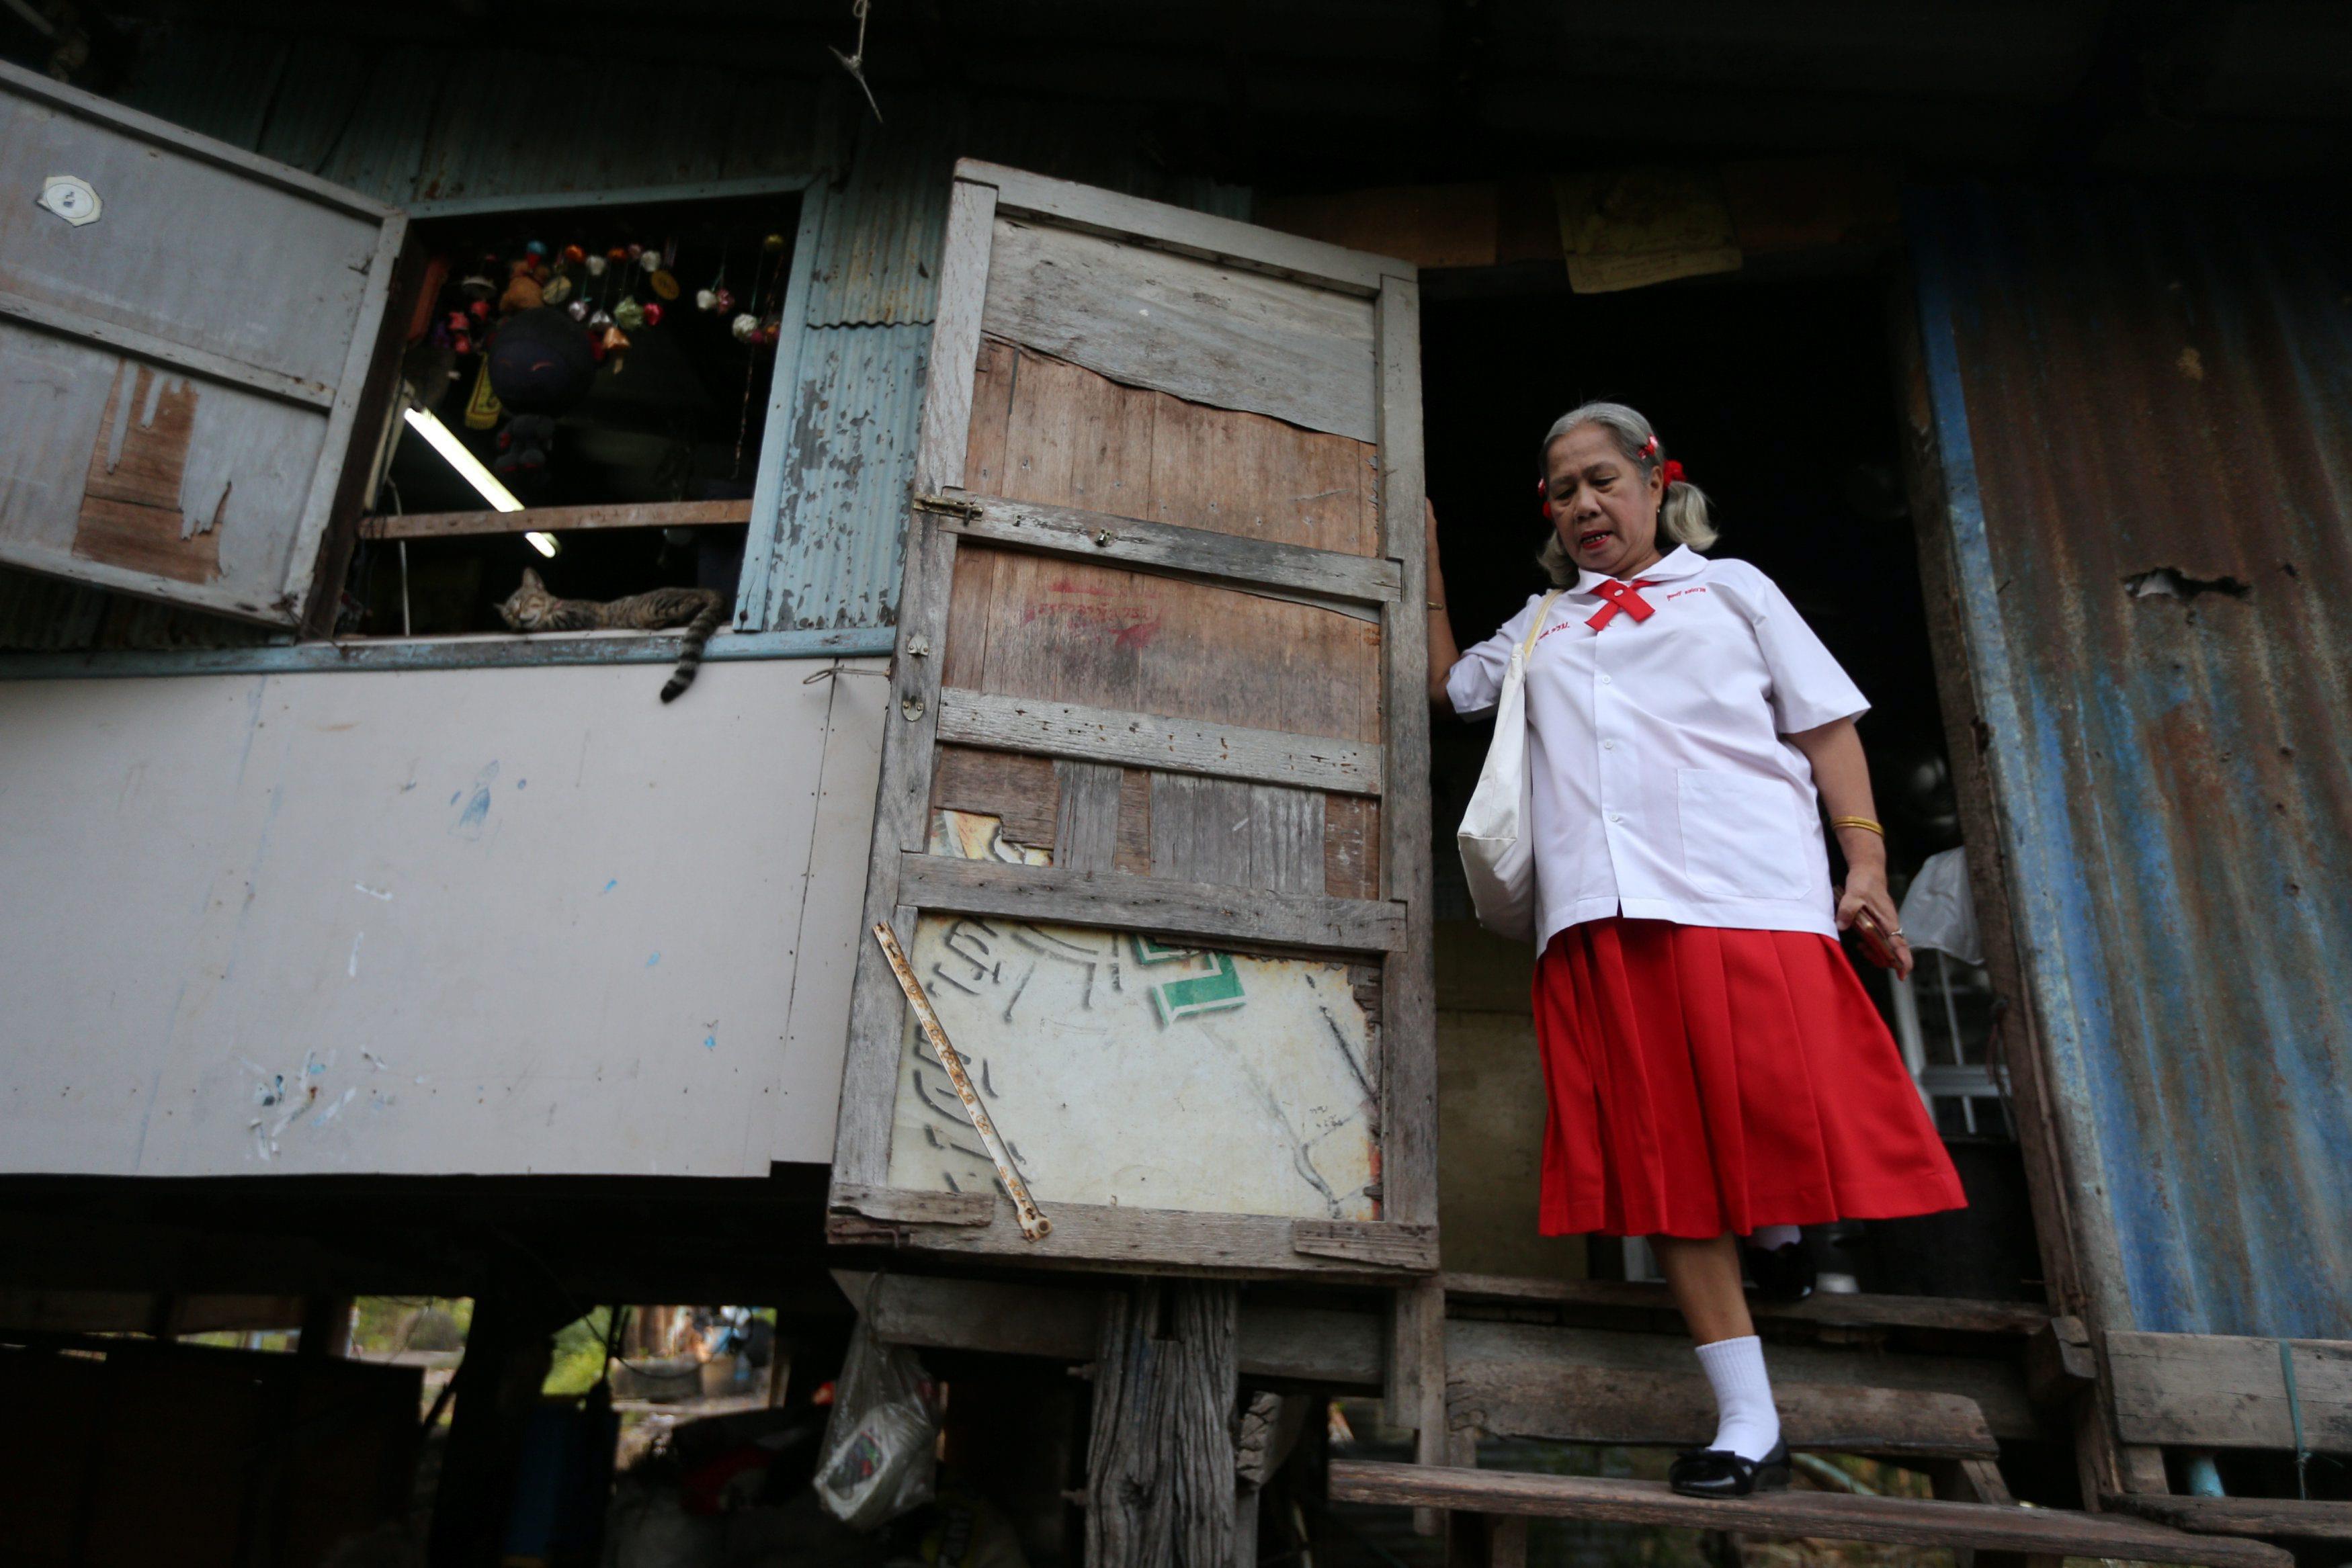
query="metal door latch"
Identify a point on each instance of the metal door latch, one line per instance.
(949, 505)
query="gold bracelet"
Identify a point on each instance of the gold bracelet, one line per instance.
(1435, 605)
(1864, 823)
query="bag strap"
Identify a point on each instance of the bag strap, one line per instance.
(1543, 610)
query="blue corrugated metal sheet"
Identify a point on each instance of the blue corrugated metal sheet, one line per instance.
(846, 473)
(877, 255)
(2136, 382)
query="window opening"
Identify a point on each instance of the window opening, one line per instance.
(584, 396)
(1777, 395)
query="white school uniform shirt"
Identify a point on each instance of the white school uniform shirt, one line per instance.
(1663, 788)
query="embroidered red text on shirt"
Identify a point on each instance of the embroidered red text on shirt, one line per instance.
(1678, 593)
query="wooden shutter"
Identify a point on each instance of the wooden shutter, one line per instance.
(181, 376)
(1153, 817)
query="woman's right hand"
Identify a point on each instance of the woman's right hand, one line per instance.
(1428, 532)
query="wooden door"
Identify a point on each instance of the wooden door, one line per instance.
(1153, 818)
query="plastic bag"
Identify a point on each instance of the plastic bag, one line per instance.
(1939, 912)
(877, 1457)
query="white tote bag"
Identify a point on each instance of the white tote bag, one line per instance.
(1496, 837)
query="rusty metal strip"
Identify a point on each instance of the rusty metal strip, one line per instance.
(1033, 1224)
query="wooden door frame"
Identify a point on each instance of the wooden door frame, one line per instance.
(863, 1205)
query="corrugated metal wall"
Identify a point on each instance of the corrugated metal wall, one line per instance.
(2137, 382)
(411, 124)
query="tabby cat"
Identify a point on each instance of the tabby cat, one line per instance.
(531, 608)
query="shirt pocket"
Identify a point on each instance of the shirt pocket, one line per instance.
(1741, 838)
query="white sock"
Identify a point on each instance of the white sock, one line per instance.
(1748, 1424)
(1772, 1238)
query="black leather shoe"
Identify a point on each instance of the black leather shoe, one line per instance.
(1719, 1472)
(1783, 1274)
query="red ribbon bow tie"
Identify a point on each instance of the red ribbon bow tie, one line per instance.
(1620, 596)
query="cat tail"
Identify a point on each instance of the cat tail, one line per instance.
(689, 653)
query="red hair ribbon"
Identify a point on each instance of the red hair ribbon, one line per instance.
(1673, 472)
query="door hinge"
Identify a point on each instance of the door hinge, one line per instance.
(950, 506)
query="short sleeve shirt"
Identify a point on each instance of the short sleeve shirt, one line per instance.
(1662, 786)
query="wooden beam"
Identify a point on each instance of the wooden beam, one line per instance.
(1121, 1236)
(1181, 230)
(1387, 1244)
(1150, 740)
(555, 519)
(1835, 1515)
(907, 1207)
(1950, 1313)
(1295, 572)
(929, 1312)
(1154, 905)
(1321, 1346)
(2224, 1391)
(2258, 1516)
(878, 1009)
(2059, 1362)
(1408, 980)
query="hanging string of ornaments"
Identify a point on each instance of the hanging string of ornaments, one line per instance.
(599, 289)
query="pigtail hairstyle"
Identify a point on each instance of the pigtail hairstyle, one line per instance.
(1682, 513)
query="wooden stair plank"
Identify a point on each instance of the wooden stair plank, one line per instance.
(1835, 1515)
(2262, 1516)
(1565, 1402)
(1500, 1351)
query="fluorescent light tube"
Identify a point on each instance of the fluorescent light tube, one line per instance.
(439, 438)
(543, 543)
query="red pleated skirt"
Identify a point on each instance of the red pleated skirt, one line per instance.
(1704, 1080)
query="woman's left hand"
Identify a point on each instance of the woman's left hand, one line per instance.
(1865, 888)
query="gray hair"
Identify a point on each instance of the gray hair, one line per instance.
(1682, 515)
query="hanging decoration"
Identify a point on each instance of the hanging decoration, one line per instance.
(600, 293)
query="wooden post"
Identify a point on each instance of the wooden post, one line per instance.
(1161, 1481)
(326, 1326)
(508, 1348)
(1978, 1481)
(1416, 1381)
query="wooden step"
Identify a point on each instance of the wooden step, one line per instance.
(2284, 1517)
(1945, 1314)
(1833, 1515)
(1572, 1403)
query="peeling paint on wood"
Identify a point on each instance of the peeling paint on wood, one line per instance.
(131, 506)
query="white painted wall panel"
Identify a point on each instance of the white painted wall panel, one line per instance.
(463, 921)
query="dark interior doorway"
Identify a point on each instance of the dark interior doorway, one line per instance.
(1777, 396)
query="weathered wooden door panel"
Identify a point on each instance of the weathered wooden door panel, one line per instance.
(1210, 334)
(1075, 632)
(180, 374)
(1047, 431)
(1153, 823)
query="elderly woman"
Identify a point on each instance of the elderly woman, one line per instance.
(1714, 1068)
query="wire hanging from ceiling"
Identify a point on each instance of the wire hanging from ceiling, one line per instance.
(855, 64)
